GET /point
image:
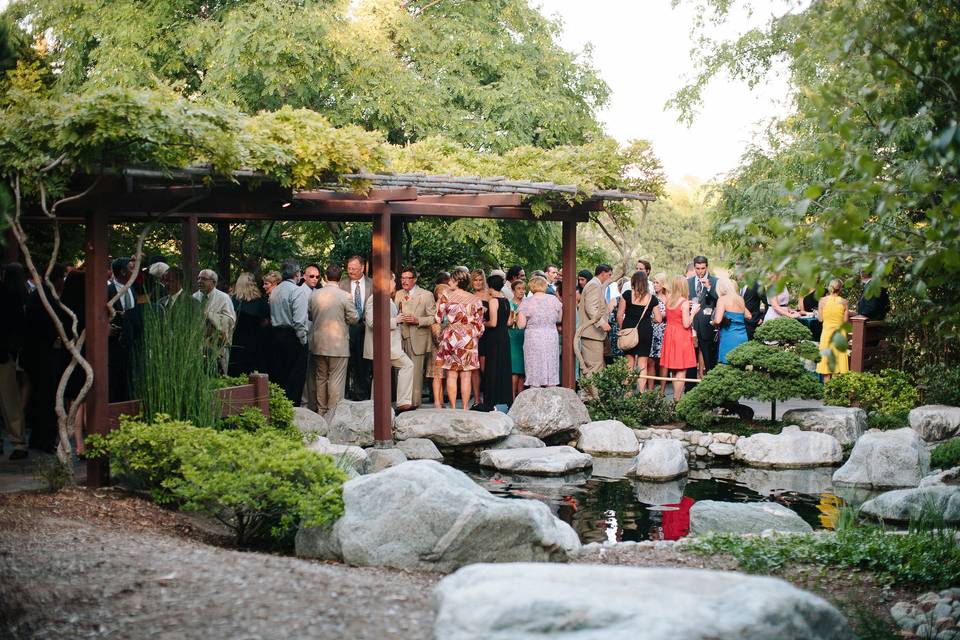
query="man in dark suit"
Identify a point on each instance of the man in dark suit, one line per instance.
(126, 331)
(874, 308)
(702, 289)
(360, 287)
(754, 299)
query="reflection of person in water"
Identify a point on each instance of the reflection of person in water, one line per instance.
(676, 522)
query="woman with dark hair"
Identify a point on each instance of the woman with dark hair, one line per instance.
(497, 373)
(519, 288)
(478, 283)
(638, 310)
(458, 347)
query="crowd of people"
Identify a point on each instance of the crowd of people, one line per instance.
(479, 338)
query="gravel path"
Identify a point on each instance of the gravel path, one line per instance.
(64, 578)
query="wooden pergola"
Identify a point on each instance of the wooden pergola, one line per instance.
(192, 196)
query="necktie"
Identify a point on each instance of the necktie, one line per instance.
(743, 291)
(356, 298)
(699, 288)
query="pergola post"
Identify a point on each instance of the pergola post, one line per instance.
(190, 251)
(568, 377)
(223, 256)
(382, 420)
(97, 322)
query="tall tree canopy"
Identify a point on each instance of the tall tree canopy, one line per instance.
(863, 174)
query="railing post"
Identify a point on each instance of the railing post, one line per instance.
(382, 369)
(568, 377)
(857, 342)
(261, 391)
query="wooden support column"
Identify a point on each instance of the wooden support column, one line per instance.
(396, 241)
(568, 376)
(382, 420)
(223, 256)
(858, 340)
(190, 250)
(97, 329)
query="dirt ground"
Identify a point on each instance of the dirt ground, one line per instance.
(108, 564)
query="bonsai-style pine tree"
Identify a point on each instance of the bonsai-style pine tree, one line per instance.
(769, 367)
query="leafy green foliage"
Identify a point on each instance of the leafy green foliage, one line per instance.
(942, 385)
(617, 398)
(251, 419)
(765, 358)
(281, 409)
(946, 455)
(260, 486)
(930, 559)
(889, 393)
(783, 331)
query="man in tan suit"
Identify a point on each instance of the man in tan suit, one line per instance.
(417, 311)
(331, 311)
(592, 316)
(398, 359)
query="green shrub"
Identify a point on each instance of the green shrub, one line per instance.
(942, 383)
(617, 398)
(782, 331)
(281, 409)
(887, 421)
(260, 486)
(946, 455)
(251, 419)
(146, 452)
(888, 394)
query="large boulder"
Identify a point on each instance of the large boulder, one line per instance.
(790, 449)
(547, 412)
(886, 460)
(428, 516)
(517, 441)
(903, 505)
(846, 424)
(710, 516)
(540, 461)
(380, 459)
(345, 455)
(420, 449)
(351, 422)
(586, 601)
(607, 438)
(935, 422)
(309, 422)
(659, 461)
(452, 427)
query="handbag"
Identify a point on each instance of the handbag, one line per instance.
(629, 338)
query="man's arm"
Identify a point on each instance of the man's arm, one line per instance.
(222, 316)
(298, 309)
(429, 312)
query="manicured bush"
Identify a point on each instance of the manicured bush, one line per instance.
(946, 455)
(260, 486)
(251, 419)
(942, 383)
(789, 335)
(887, 397)
(617, 398)
(281, 409)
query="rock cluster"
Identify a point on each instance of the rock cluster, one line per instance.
(933, 615)
(697, 444)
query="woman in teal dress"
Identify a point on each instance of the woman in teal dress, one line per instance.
(519, 288)
(730, 315)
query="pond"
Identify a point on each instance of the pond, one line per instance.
(606, 506)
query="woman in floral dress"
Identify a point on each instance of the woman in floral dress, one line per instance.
(463, 313)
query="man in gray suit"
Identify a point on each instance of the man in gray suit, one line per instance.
(360, 287)
(332, 313)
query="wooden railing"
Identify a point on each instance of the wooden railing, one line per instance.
(232, 400)
(868, 342)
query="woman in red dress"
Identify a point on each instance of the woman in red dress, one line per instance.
(677, 354)
(463, 314)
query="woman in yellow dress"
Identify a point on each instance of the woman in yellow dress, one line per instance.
(834, 312)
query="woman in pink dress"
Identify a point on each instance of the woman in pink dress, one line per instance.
(677, 353)
(463, 314)
(538, 316)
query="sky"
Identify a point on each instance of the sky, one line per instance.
(641, 48)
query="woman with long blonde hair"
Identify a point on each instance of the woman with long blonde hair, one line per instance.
(677, 354)
(834, 313)
(248, 352)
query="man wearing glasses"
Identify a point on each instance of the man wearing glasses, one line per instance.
(219, 315)
(310, 282)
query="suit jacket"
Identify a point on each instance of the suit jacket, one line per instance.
(331, 310)
(347, 283)
(129, 321)
(396, 345)
(422, 305)
(592, 311)
(753, 299)
(219, 312)
(876, 307)
(707, 300)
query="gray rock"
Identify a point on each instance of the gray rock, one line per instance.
(380, 459)
(309, 422)
(903, 505)
(611, 467)
(790, 449)
(452, 427)
(710, 516)
(935, 422)
(420, 449)
(585, 602)
(721, 449)
(344, 455)
(607, 438)
(548, 461)
(659, 460)
(351, 422)
(547, 412)
(517, 441)
(768, 482)
(659, 493)
(886, 459)
(428, 516)
(947, 476)
(846, 424)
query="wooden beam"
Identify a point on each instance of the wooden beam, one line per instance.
(483, 199)
(384, 194)
(382, 371)
(521, 213)
(568, 376)
(97, 329)
(439, 209)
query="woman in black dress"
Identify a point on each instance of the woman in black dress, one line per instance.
(639, 308)
(251, 335)
(498, 372)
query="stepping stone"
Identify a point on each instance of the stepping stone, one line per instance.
(548, 412)
(790, 449)
(517, 441)
(846, 424)
(711, 516)
(547, 461)
(659, 461)
(607, 438)
(452, 427)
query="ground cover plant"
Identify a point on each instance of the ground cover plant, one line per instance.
(887, 397)
(618, 399)
(281, 409)
(946, 455)
(942, 385)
